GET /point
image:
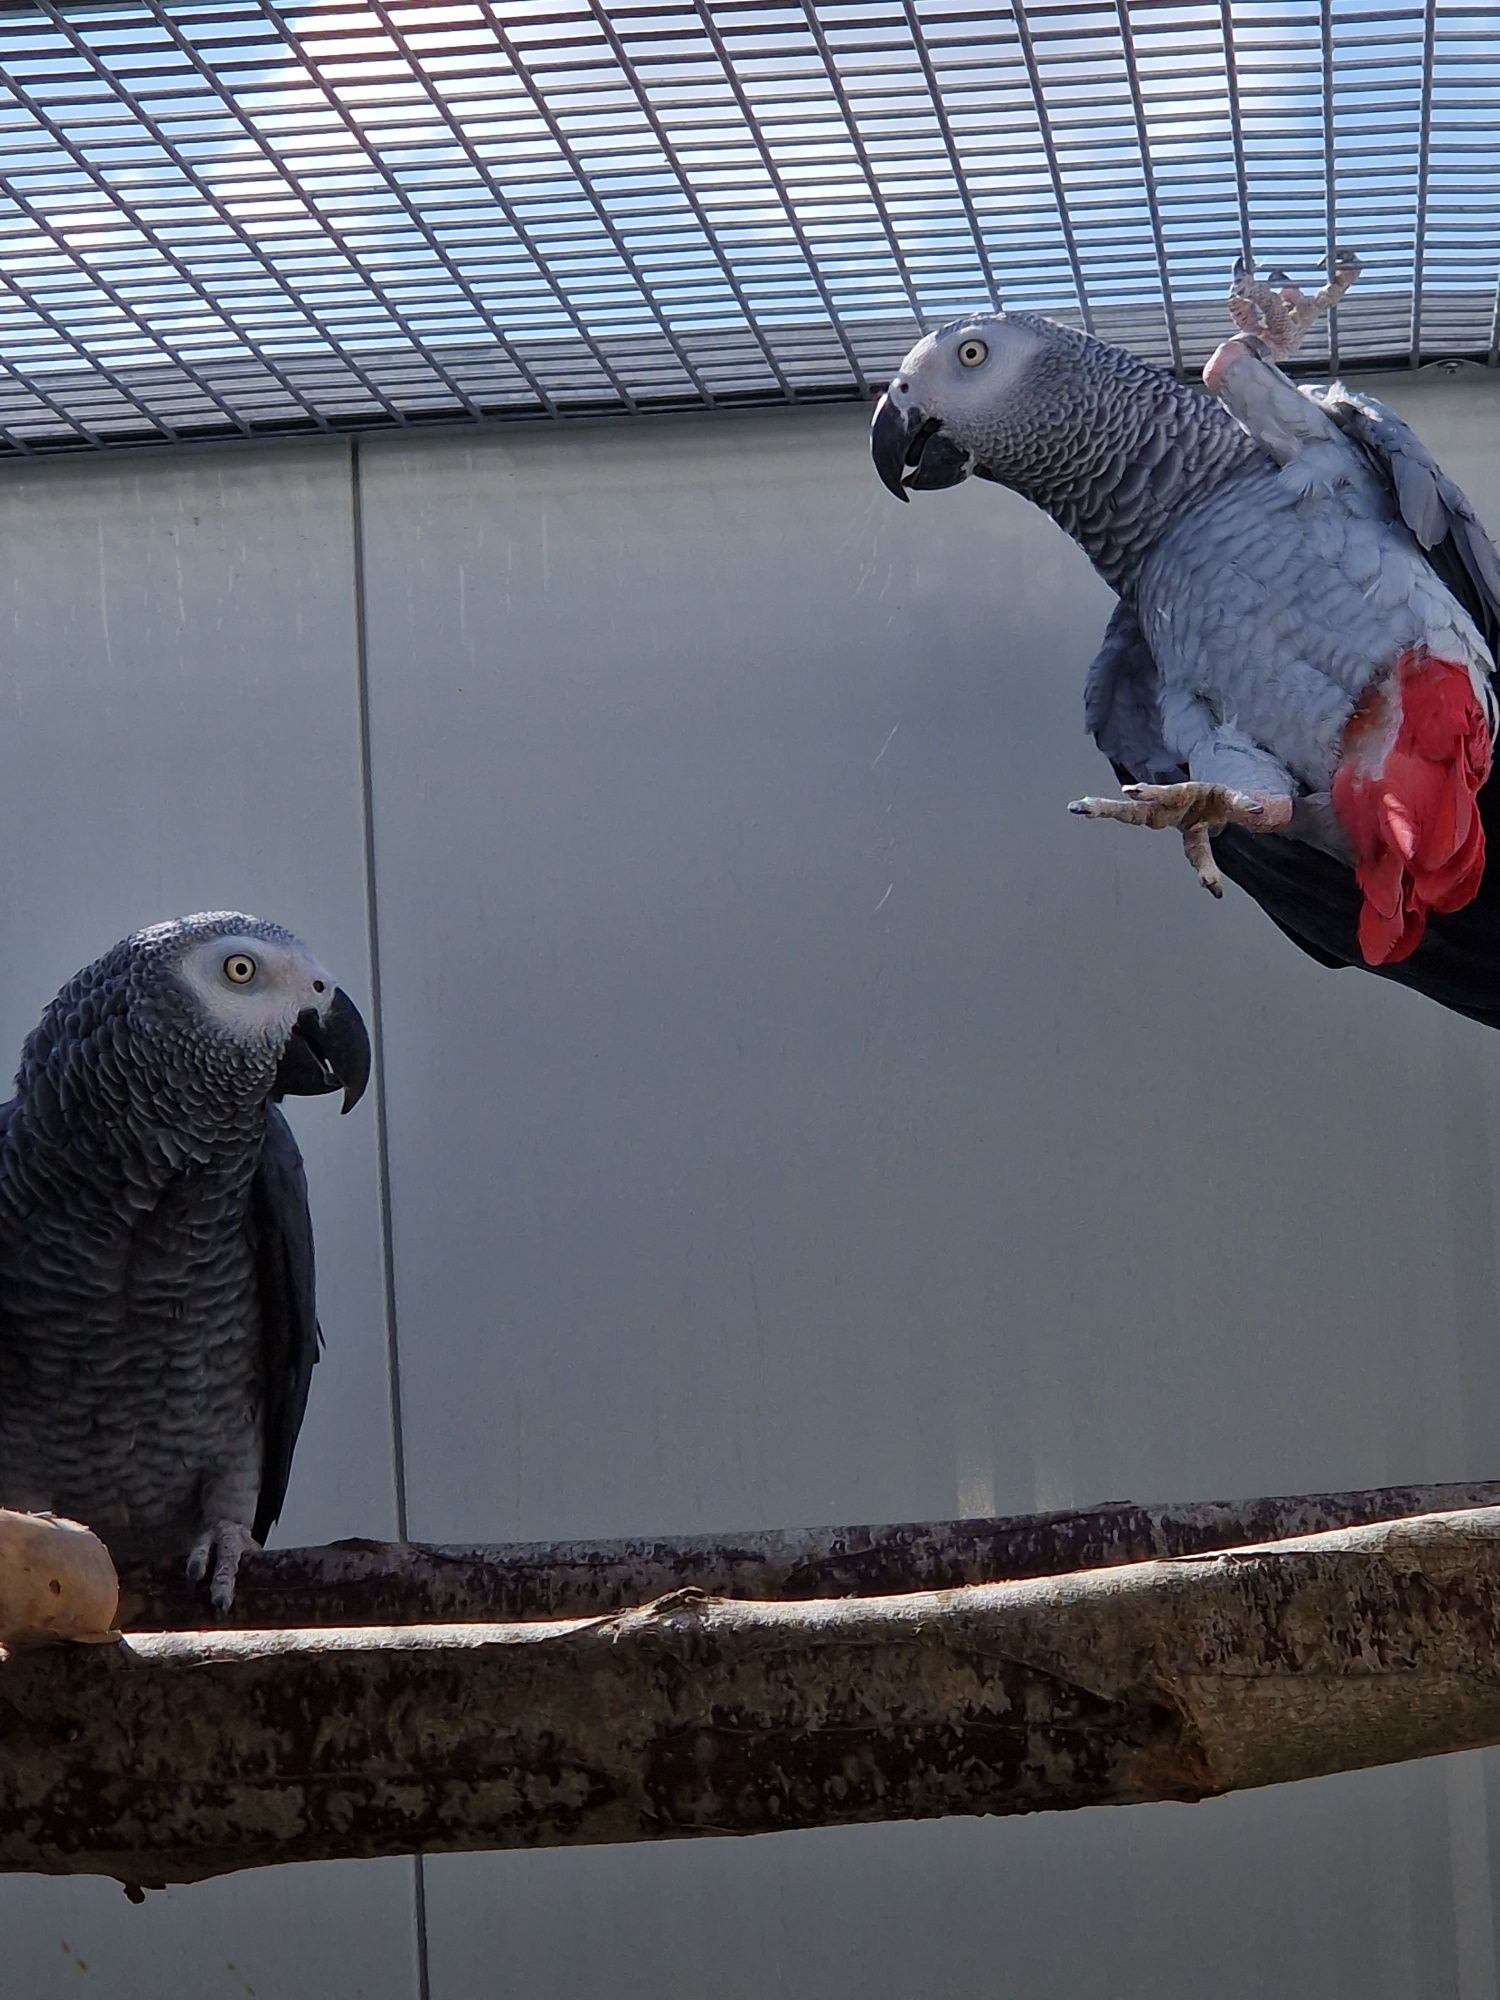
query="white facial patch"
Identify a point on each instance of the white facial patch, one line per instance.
(968, 396)
(253, 988)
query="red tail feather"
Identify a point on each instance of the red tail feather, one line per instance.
(1416, 751)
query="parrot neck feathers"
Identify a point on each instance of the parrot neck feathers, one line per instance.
(1117, 447)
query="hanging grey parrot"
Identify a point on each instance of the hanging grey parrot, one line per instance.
(157, 1319)
(1297, 674)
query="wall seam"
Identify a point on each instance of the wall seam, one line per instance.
(382, 1122)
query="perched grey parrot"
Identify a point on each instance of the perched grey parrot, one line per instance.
(157, 1320)
(1297, 673)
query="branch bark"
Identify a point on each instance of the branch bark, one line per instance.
(390, 1583)
(178, 1756)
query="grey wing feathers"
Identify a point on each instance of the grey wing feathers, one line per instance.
(1433, 507)
(1122, 705)
(283, 1242)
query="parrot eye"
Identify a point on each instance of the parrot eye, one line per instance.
(972, 352)
(239, 968)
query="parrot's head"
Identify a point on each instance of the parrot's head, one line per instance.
(249, 1002)
(204, 1017)
(966, 400)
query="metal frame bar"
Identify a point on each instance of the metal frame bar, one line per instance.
(862, 155)
(231, 102)
(1237, 131)
(227, 219)
(43, 312)
(111, 292)
(1143, 137)
(1054, 168)
(1330, 166)
(244, 217)
(560, 139)
(752, 124)
(674, 161)
(950, 145)
(1424, 163)
(352, 127)
(127, 208)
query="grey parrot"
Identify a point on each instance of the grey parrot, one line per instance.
(1297, 674)
(157, 1321)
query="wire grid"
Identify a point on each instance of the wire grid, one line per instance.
(242, 217)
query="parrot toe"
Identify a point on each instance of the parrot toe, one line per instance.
(1198, 812)
(1197, 844)
(224, 1545)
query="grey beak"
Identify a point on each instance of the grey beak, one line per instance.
(911, 453)
(329, 1049)
(891, 430)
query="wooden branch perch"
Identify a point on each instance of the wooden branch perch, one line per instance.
(172, 1757)
(408, 1583)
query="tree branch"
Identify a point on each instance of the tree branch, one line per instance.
(177, 1756)
(379, 1583)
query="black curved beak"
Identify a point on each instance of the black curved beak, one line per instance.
(910, 451)
(329, 1049)
(891, 430)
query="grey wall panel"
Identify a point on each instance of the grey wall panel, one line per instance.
(179, 729)
(1339, 1892)
(329, 1931)
(796, 1116)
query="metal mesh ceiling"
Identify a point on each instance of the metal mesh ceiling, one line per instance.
(235, 217)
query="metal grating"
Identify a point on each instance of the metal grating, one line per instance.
(240, 217)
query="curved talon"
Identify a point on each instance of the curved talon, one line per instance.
(1197, 845)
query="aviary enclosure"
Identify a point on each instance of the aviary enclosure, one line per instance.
(438, 516)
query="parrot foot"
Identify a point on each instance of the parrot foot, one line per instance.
(225, 1544)
(1276, 311)
(1198, 812)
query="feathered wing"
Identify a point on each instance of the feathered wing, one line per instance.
(1312, 898)
(1433, 507)
(281, 1232)
(1122, 705)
